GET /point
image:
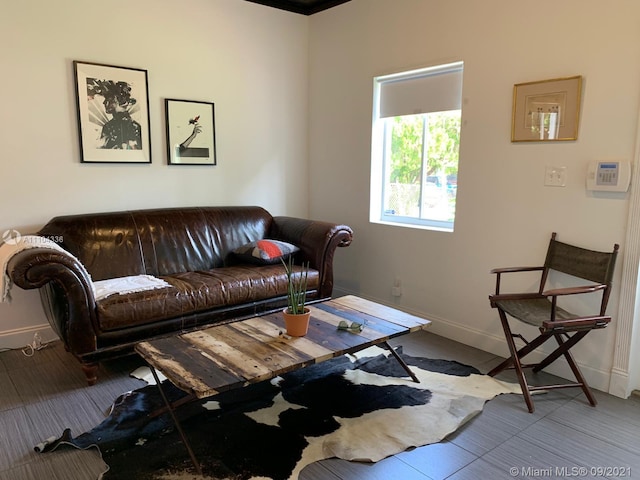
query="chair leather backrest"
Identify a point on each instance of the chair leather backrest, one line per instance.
(107, 244)
(159, 241)
(579, 262)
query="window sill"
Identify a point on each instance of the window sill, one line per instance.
(417, 224)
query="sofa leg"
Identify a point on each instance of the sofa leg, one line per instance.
(91, 372)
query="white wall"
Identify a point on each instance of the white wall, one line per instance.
(276, 77)
(250, 60)
(505, 214)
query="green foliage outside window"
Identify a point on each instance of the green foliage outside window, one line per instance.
(423, 165)
(442, 135)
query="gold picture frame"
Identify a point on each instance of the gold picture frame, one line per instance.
(547, 110)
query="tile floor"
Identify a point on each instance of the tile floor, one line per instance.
(43, 394)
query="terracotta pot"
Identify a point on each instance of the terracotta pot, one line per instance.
(297, 325)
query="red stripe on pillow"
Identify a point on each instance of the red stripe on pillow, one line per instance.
(271, 249)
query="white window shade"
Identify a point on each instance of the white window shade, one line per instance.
(424, 92)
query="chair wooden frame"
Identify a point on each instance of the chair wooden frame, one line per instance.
(566, 328)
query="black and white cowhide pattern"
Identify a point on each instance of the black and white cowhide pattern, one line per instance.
(361, 407)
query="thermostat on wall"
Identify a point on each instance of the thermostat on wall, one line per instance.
(609, 176)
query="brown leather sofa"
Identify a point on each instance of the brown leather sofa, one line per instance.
(190, 248)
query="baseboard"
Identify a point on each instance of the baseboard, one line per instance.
(619, 385)
(20, 337)
(597, 379)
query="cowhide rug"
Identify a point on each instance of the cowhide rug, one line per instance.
(362, 408)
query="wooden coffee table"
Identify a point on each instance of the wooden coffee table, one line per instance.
(222, 357)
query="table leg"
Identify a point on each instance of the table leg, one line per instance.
(401, 362)
(178, 403)
(185, 441)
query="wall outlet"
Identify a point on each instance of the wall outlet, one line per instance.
(396, 290)
(37, 341)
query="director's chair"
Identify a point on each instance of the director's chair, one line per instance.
(541, 310)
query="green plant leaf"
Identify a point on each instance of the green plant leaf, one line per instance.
(296, 286)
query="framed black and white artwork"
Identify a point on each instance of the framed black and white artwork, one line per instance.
(191, 132)
(113, 113)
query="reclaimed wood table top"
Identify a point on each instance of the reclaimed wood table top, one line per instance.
(209, 361)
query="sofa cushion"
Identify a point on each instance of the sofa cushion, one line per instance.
(193, 292)
(265, 252)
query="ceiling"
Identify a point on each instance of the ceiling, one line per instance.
(304, 7)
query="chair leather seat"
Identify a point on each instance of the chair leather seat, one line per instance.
(533, 311)
(194, 292)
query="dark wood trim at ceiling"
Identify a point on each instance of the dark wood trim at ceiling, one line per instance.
(304, 7)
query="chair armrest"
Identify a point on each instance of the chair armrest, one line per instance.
(37, 267)
(516, 269)
(574, 324)
(573, 290)
(555, 293)
(500, 271)
(317, 241)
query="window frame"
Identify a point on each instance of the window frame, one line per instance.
(379, 166)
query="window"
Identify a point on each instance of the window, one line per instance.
(415, 145)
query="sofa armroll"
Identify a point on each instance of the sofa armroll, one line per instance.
(70, 308)
(317, 241)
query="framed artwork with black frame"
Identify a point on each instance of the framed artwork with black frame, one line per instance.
(113, 113)
(191, 132)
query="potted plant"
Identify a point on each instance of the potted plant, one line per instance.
(296, 315)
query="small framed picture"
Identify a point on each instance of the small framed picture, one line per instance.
(113, 113)
(191, 132)
(547, 110)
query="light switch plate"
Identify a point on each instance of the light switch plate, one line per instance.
(555, 176)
